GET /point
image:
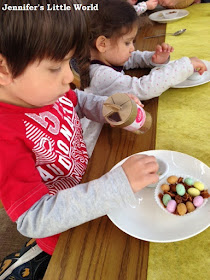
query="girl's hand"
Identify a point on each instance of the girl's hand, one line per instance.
(162, 53)
(135, 98)
(151, 4)
(141, 170)
(198, 65)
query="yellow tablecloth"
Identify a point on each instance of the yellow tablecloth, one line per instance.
(184, 125)
(184, 114)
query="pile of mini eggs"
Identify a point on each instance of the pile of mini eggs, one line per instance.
(180, 196)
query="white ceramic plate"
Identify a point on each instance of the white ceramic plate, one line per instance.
(158, 16)
(205, 78)
(148, 221)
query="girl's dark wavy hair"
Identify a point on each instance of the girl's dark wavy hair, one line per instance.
(26, 36)
(113, 19)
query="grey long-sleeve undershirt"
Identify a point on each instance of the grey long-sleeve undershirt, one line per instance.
(72, 207)
(84, 202)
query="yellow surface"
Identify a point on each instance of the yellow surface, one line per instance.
(184, 125)
(196, 39)
(184, 114)
(184, 260)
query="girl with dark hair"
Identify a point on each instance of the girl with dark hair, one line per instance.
(113, 30)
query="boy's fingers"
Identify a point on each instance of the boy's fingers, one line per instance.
(150, 163)
(153, 178)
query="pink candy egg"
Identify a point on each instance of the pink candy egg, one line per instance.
(171, 206)
(198, 201)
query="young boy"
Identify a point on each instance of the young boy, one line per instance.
(41, 136)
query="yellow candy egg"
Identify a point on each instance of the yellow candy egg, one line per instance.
(199, 186)
(193, 191)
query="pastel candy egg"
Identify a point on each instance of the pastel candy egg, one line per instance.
(189, 181)
(193, 191)
(181, 209)
(199, 186)
(172, 179)
(190, 206)
(166, 199)
(180, 189)
(165, 187)
(198, 201)
(171, 206)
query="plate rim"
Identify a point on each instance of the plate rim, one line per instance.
(202, 82)
(169, 20)
(156, 240)
(155, 150)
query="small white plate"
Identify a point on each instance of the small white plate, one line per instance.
(148, 221)
(159, 17)
(205, 78)
(158, 191)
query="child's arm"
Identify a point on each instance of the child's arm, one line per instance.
(143, 59)
(147, 5)
(27, 200)
(90, 106)
(140, 8)
(147, 59)
(154, 84)
(71, 207)
(151, 4)
(162, 53)
(140, 170)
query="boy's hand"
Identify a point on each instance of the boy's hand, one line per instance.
(151, 4)
(162, 53)
(198, 65)
(141, 170)
(135, 98)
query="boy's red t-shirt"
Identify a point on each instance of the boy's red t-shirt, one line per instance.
(41, 152)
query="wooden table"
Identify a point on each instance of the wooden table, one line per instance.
(98, 250)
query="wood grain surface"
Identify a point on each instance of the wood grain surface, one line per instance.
(98, 250)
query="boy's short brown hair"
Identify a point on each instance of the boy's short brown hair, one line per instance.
(28, 35)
